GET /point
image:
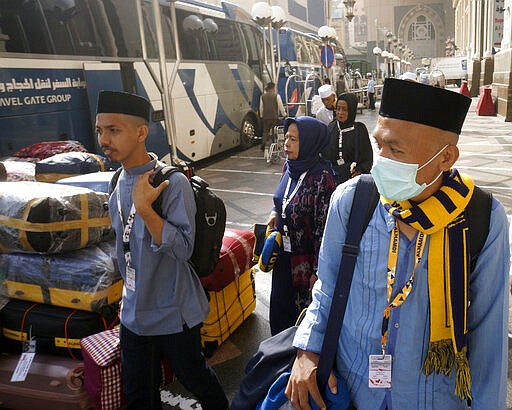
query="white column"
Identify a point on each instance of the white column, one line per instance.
(507, 25)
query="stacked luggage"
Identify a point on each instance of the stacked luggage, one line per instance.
(58, 271)
(230, 289)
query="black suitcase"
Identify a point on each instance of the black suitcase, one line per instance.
(57, 330)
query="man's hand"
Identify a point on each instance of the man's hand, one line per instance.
(354, 173)
(144, 194)
(312, 281)
(302, 382)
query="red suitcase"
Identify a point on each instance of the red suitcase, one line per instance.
(235, 259)
(52, 382)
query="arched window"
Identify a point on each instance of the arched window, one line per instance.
(421, 29)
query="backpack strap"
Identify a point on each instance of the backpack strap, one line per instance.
(161, 175)
(478, 216)
(357, 223)
(113, 181)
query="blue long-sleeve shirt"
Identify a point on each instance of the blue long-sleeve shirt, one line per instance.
(167, 291)
(409, 326)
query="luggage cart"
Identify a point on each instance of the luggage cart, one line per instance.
(276, 149)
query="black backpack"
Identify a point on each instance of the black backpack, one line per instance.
(210, 219)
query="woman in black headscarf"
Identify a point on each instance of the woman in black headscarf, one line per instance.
(349, 149)
(303, 193)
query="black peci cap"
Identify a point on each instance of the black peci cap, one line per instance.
(424, 104)
(123, 103)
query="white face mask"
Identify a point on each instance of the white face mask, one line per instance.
(396, 180)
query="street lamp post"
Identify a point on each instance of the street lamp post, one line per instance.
(377, 52)
(278, 21)
(385, 55)
(327, 34)
(262, 14)
(396, 67)
(391, 59)
(389, 36)
(392, 42)
(349, 9)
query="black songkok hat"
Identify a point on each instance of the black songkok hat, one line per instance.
(424, 104)
(123, 103)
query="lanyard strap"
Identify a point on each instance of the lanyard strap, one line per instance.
(286, 199)
(127, 227)
(340, 138)
(406, 289)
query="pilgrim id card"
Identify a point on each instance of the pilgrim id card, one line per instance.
(380, 371)
(130, 278)
(287, 244)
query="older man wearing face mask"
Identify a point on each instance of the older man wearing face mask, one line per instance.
(421, 323)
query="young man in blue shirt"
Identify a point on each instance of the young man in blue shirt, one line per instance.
(163, 302)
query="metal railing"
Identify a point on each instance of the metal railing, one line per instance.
(306, 101)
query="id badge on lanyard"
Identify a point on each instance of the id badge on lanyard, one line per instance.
(379, 366)
(340, 161)
(287, 243)
(130, 271)
(379, 371)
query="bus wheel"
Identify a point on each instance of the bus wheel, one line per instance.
(247, 132)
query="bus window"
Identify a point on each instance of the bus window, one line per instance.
(123, 22)
(25, 26)
(71, 28)
(228, 41)
(57, 17)
(150, 32)
(302, 50)
(193, 44)
(253, 47)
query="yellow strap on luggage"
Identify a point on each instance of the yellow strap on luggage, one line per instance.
(83, 224)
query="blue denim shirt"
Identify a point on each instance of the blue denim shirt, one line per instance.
(167, 291)
(409, 326)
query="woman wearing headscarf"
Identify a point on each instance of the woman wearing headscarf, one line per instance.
(349, 150)
(300, 209)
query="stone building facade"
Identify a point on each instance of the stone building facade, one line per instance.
(484, 33)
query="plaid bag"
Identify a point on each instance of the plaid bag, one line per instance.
(102, 370)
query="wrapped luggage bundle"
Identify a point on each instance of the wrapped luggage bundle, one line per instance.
(97, 181)
(14, 171)
(50, 218)
(46, 149)
(85, 279)
(69, 164)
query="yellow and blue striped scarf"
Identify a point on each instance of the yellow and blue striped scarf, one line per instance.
(442, 217)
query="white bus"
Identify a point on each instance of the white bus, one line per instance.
(56, 55)
(301, 70)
